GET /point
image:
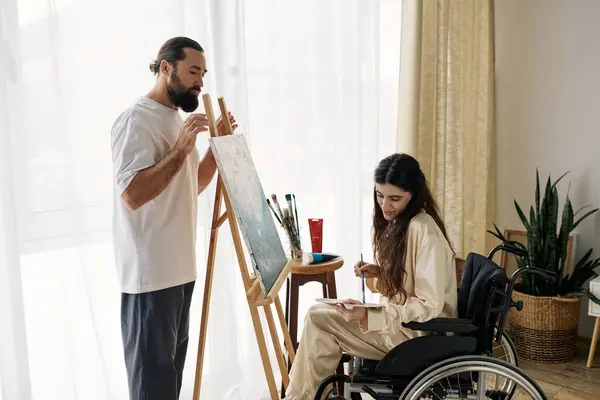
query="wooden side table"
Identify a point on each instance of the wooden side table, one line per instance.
(594, 311)
(301, 274)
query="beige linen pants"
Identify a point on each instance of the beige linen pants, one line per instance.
(325, 336)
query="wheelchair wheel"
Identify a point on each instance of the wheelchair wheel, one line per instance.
(505, 350)
(471, 378)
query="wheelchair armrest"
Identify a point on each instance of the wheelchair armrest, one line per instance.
(455, 325)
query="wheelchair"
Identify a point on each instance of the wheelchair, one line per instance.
(457, 359)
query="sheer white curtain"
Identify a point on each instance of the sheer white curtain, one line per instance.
(314, 86)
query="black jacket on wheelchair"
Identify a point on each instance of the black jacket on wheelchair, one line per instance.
(484, 299)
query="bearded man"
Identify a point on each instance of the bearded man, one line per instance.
(157, 175)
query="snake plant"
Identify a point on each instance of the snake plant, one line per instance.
(547, 244)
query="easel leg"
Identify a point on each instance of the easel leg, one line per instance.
(287, 305)
(210, 267)
(264, 355)
(286, 333)
(590, 360)
(283, 321)
(278, 351)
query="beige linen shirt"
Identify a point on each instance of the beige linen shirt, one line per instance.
(430, 285)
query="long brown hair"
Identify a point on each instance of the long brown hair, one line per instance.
(389, 238)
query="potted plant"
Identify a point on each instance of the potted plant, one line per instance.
(546, 328)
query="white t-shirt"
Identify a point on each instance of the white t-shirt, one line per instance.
(154, 245)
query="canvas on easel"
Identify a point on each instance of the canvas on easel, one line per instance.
(241, 181)
(238, 186)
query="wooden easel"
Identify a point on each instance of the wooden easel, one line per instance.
(254, 294)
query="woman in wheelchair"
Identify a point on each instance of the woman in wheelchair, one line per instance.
(414, 271)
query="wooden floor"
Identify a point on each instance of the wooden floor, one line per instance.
(571, 381)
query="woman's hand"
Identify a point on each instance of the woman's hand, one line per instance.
(370, 270)
(355, 313)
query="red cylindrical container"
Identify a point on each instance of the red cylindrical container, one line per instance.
(315, 226)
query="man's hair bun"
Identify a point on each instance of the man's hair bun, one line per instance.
(154, 67)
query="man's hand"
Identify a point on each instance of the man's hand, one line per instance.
(355, 313)
(208, 165)
(194, 124)
(221, 131)
(370, 270)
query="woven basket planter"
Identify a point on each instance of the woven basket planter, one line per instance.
(545, 330)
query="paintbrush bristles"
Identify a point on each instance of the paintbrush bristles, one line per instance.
(274, 212)
(296, 212)
(288, 221)
(288, 218)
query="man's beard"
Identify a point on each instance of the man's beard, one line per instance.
(181, 96)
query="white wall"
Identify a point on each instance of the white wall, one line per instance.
(548, 108)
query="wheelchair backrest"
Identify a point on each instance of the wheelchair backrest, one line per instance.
(476, 296)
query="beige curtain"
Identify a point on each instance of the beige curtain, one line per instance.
(447, 109)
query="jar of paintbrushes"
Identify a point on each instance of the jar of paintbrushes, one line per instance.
(288, 220)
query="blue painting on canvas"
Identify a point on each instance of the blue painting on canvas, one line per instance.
(238, 172)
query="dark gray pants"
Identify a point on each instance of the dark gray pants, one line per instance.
(155, 328)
